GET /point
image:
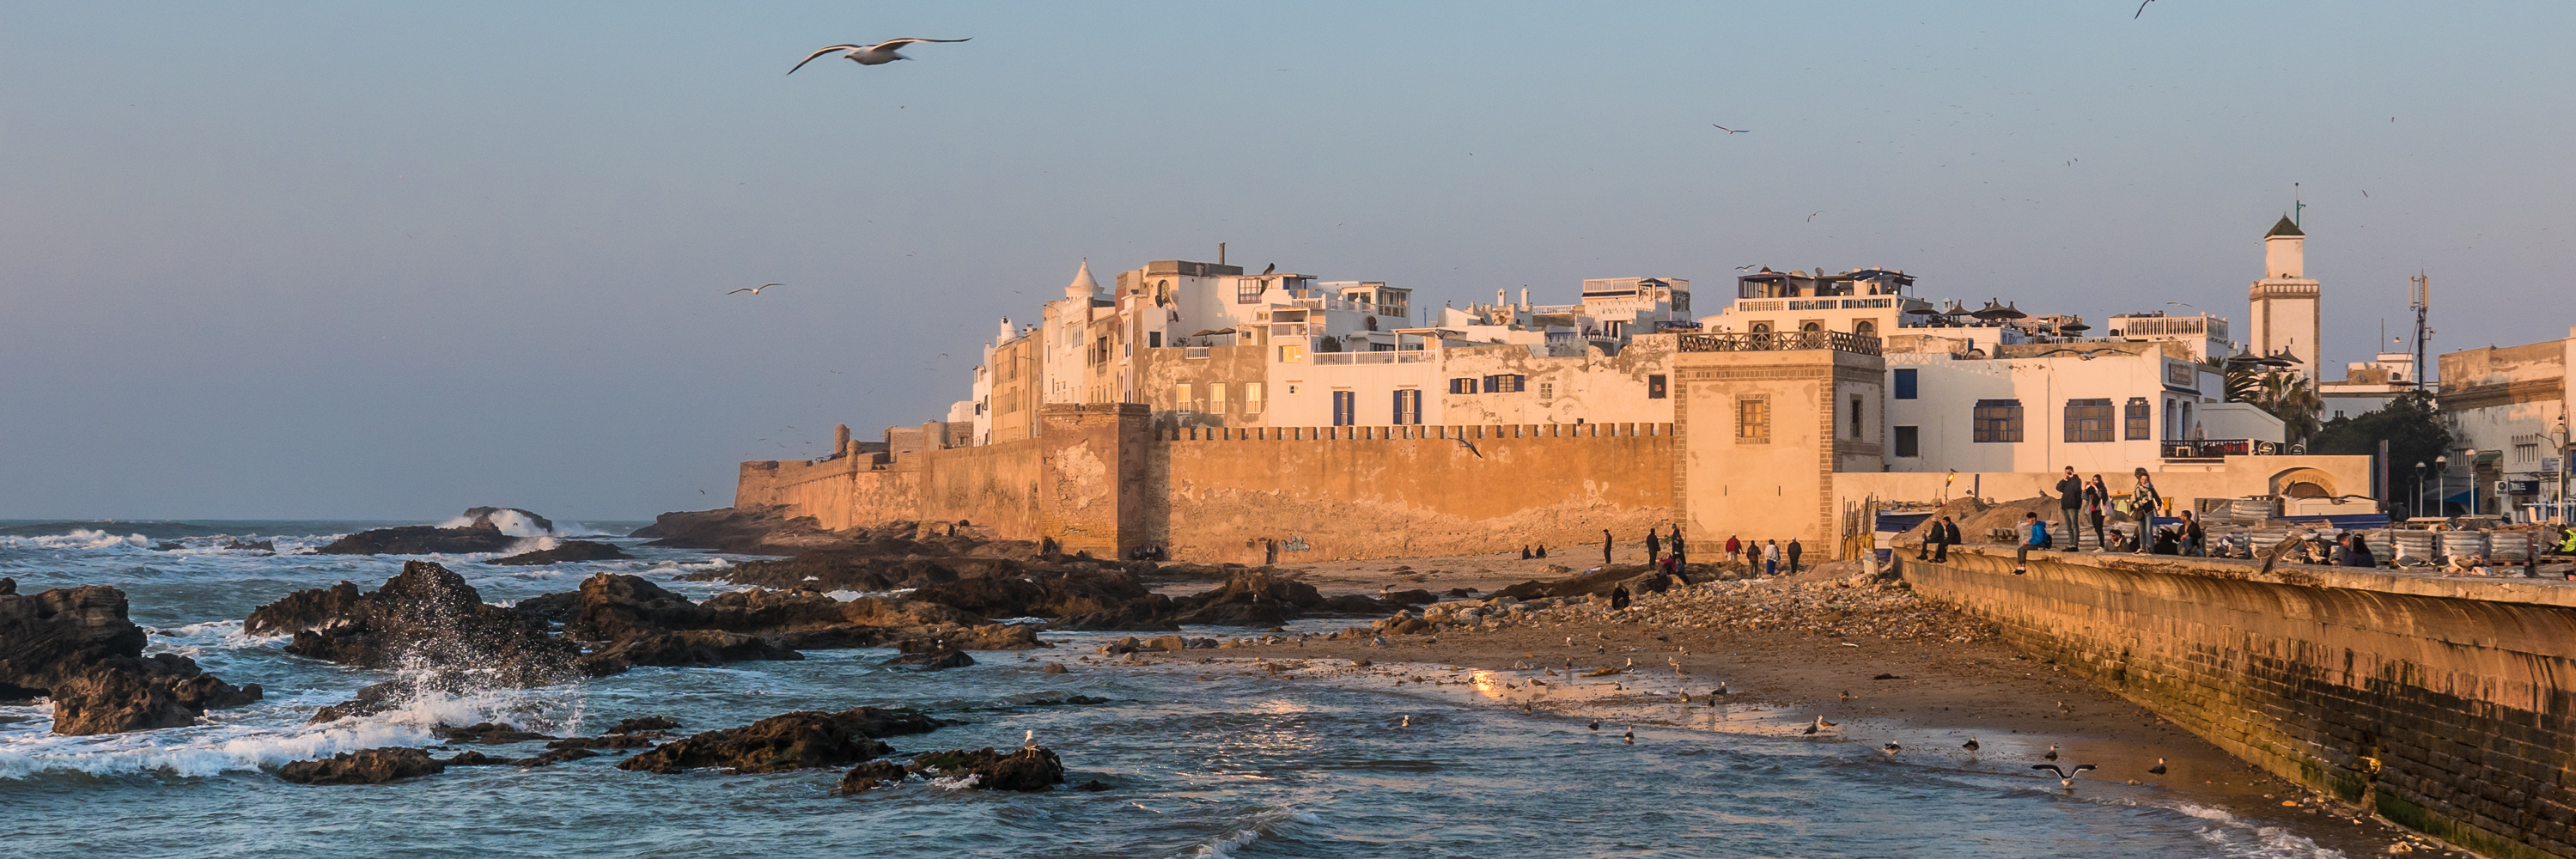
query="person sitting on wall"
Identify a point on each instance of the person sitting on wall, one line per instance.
(1525, 555)
(2194, 540)
(2356, 552)
(1618, 597)
(2166, 542)
(1949, 532)
(2566, 544)
(2034, 535)
(1542, 550)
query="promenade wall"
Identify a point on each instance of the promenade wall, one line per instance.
(2444, 704)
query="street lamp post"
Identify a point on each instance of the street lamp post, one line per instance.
(2442, 485)
(2419, 489)
(2562, 467)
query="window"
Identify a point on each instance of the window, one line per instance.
(1654, 387)
(1462, 385)
(1216, 398)
(1508, 383)
(1905, 384)
(1855, 417)
(1998, 421)
(1153, 339)
(1248, 290)
(2088, 420)
(1181, 397)
(1761, 327)
(1909, 441)
(1346, 406)
(1292, 353)
(2135, 416)
(1865, 328)
(1546, 391)
(1252, 398)
(1408, 406)
(1753, 420)
(1811, 325)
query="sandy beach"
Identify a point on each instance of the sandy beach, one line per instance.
(1882, 664)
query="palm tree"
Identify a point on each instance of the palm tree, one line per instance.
(2288, 397)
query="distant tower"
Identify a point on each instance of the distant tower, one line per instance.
(2285, 301)
(1082, 286)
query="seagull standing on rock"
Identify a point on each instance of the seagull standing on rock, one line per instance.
(877, 54)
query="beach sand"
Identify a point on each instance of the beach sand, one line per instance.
(1883, 664)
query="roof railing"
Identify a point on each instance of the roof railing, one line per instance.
(1777, 341)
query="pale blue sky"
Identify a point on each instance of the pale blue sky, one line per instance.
(345, 260)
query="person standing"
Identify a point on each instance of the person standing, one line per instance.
(2070, 507)
(1654, 545)
(1771, 557)
(1752, 558)
(2143, 502)
(1681, 551)
(1794, 551)
(2034, 533)
(1606, 542)
(2097, 506)
(1734, 546)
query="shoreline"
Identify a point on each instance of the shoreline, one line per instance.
(1885, 665)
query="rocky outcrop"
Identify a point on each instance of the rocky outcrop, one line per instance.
(786, 742)
(872, 775)
(1026, 770)
(932, 660)
(614, 607)
(686, 647)
(756, 530)
(568, 550)
(76, 646)
(491, 517)
(424, 617)
(645, 725)
(369, 766)
(421, 540)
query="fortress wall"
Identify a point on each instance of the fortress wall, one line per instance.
(1370, 492)
(2444, 704)
(845, 492)
(993, 486)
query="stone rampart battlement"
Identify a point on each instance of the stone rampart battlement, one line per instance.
(1451, 432)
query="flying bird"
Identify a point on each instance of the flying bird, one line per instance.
(755, 290)
(1471, 448)
(2065, 778)
(1729, 130)
(2142, 9)
(1269, 268)
(877, 54)
(1812, 215)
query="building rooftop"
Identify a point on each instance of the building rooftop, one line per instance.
(2286, 227)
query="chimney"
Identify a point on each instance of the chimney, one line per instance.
(1220, 253)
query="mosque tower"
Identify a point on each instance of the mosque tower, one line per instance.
(2285, 316)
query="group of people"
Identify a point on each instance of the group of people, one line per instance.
(1671, 552)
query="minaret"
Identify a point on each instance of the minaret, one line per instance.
(2284, 314)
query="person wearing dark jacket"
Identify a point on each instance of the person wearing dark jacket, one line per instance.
(2193, 538)
(1794, 551)
(2070, 508)
(1605, 547)
(1654, 545)
(1949, 538)
(2356, 552)
(2097, 506)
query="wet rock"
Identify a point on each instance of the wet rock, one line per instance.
(421, 540)
(614, 606)
(687, 647)
(932, 660)
(1259, 597)
(643, 724)
(568, 550)
(8, 587)
(492, 517)
(1151, 613)
(871, 775)
(788, 742)
(755, 530)
(555, 756)
(473, 759)
(369, 766)
(550, 608)
(77, 646)
(261, 546)
(609, 741)
(426, 616)
(1053, 668)
(1093, 785)
(487, 733)
(1026, 770)
(1359, 605)
(1416, 596)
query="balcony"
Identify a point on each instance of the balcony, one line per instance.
(2218, 448)
(1409, 356)
(1779, 341)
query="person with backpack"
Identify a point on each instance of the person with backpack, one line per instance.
(2097, 506)
(2034, 535)
(2070, 506)
(2143, 502)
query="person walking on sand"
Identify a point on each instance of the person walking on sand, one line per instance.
(1606, 543)
(2097, 503)
(2034, 533)
(1794, 551)
(1771, 557)
(2070, 507)
(2143, 502)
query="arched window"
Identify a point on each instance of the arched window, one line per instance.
(1812, 326)
(1761, 328)
(1865, 327)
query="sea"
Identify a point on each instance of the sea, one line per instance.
(1203, 759)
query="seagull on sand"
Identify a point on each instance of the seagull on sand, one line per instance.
(1630, 737)
(1970, 745)
(2159, 768)
(877, 54)
(1596, 724)
(755, 290)
(1891, 748)
(2065, 778)
(2052, 752)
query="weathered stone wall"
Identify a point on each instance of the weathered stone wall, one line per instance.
(992, 486)
(2445, 704)
(1377, 492)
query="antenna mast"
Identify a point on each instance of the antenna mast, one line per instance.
(2420, 298)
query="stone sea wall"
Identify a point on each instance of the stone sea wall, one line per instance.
(2444, 704)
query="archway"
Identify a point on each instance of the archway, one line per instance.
(2305, 483)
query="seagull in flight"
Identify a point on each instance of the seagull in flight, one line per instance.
(755, 290)
(2142, 9)
(2065, 778)
(1730, 130)
(1812, 215)
(877, 54)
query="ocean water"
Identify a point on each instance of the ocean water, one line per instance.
(1204, 759)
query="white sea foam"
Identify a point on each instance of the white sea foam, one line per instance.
(511, 522)
(79, 538)
(848, 595)
(1261, 824)
(199, 751)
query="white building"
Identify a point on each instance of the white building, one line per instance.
(2508, 414)
(2285, 301)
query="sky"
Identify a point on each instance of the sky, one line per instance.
(388, 261)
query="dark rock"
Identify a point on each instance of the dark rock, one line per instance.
(76, 646)
(425, 616)
(550, 608)
(1601, 582)
(787, 742)
(1259, 597)
(1092, 785)
(686, 647)
(1416, 596)
(168, 547)
(486, 733)
(871, 775)
(1053, 668)
(1031, 769)
(1359, 605)
(371, 699)
(1151, 613)
(614, 606)
(261, 546)
(642, 724)
(489, 517)
(933, 660)
(568, 550)
(556, 756)
(370, 766)
(473, 759)
(755, 530)
(8, 587)
(421, 540)
(611, 741)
